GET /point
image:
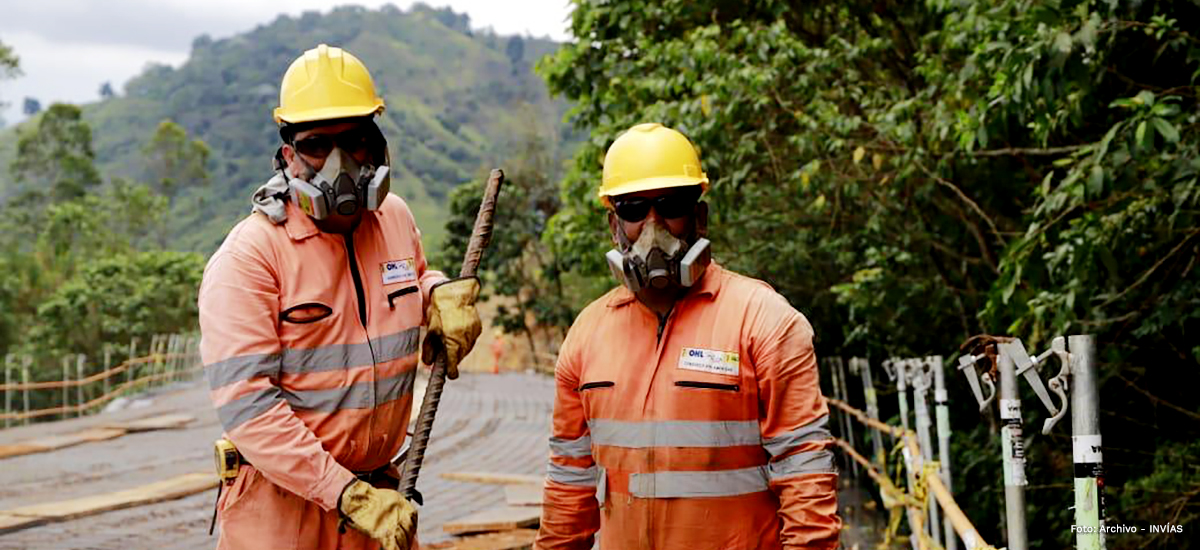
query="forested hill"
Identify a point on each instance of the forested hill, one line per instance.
(458, 101)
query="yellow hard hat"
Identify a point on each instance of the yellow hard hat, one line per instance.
(650, 156)
(326, 83)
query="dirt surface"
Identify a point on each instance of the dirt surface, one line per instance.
(489, 423)
(497, 423)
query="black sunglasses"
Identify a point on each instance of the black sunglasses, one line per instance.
(319, 145)
(671, 206)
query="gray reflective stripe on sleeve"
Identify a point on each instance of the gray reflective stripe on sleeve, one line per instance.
(811, 462)
(573, 475)
(675, 433)
(346, 356)
(581, 446)
(247, 407)
(813, 431)
(244, 367)
(718, 483)
(354, 396)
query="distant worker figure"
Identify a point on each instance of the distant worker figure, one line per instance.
(497, 349)
(311, 313)
(688, 414)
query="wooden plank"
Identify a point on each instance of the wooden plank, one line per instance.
(19, 449)
(13, 523)
(517, 539)
(491, 477)
(170, 489)
(523, 494)
(55, 442)
(161, 422)
(496, 519)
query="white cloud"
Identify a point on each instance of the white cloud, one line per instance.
(72, 72)
(68, 48)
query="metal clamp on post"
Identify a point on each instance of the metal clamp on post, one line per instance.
(889, 368)
(1026, 369)
(967, 364)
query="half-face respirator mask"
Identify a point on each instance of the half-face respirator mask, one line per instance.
(658, 259)
(342, 186)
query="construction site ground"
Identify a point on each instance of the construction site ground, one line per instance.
(486, 423)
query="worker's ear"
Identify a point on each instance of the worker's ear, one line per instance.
(701, 219)
(614, 225)
(287, 154)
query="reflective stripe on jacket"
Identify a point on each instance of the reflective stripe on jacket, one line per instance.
(712, 437)
(310, 342)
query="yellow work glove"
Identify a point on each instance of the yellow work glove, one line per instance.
(382, 514)
(453, 322)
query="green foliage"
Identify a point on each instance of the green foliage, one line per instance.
(115, 298)
(911, 174)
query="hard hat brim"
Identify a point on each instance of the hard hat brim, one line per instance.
(327, 113)
(647, 184)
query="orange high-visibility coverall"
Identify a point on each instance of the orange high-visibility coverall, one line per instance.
(711, 436)
(309, 342)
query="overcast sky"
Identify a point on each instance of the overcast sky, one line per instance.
(68, 48)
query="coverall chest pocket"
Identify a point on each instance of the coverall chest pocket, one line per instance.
(405, 302)
(598, 398)
(713, 396)
(306, 324)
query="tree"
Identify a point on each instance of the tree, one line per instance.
(57, 155)
(909, 174)
(31, 106)
(173, 162)
(10, 64)
(518, 266)
(10, 67)
(515, 50)
(106, 91)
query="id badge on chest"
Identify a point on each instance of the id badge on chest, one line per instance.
(710, 361)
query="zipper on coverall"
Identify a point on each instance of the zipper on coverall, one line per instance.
(362, 319)
(664, 321)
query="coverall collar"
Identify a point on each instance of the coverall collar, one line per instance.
(299, 226)
(710, 285)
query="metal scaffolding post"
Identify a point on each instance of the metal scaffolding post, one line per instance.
(1013, 450)
(911, 463)
(921, 382)
(902, 386)
(942, 410)
(864, 368)
(845, 393)
(8, 393)
(1085, 443)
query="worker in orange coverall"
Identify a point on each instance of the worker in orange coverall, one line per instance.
(688, 414)
(311, 314)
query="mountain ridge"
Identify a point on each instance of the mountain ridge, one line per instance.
(455, 98)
